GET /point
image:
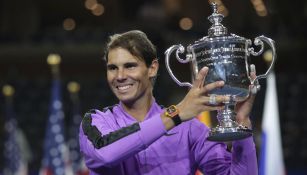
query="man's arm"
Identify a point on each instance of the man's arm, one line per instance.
(111, 147)
(214, 158)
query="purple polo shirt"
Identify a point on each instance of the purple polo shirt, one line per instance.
(154, 151)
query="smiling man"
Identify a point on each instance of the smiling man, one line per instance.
(137, 136)
(130, 78)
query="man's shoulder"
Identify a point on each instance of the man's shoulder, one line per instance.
(98, 116)
(105, 112)
(101, 111)
(109, 108)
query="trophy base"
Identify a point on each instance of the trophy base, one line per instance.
(224, 134)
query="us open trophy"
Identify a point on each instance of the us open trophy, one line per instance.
(227, 57)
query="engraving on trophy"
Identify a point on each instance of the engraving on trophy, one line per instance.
(224, 60)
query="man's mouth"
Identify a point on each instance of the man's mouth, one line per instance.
(125, 87)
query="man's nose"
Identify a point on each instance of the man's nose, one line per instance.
(121, 75)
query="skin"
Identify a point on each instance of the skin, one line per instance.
(130, 80)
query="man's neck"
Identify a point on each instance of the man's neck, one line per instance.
(139, 108)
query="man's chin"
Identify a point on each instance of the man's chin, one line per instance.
(125, 100)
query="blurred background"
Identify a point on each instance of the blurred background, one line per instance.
(77, 31)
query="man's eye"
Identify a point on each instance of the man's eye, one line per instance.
(111, 67)
(130, 66)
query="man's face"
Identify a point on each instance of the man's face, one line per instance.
(128, 76)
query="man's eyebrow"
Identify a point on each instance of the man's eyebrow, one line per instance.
(131, 63)
(111, 65)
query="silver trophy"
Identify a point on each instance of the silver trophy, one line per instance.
(227, 57)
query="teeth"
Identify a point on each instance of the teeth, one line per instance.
(124, 87)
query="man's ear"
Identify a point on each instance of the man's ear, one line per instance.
(153, 68)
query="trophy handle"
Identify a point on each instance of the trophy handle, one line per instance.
(258, 41)
(179, 49)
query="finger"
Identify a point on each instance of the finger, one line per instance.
(203, 80)
(213, 108)
(212, 86)
(215, 99)
(253, 71)
(200, 77)
(255, 87)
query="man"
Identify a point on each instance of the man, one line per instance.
(137, 136)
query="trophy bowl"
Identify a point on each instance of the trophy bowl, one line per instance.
(227, 57)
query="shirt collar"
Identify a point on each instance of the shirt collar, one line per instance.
(154, 108)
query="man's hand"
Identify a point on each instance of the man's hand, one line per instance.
(197, 99)
(244, 108)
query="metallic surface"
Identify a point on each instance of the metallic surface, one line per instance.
(227, 57)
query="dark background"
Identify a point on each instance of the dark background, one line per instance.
(31, 29)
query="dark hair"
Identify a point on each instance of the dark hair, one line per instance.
(136, 42)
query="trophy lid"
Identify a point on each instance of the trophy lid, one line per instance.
(217, 29)
(217, 32)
